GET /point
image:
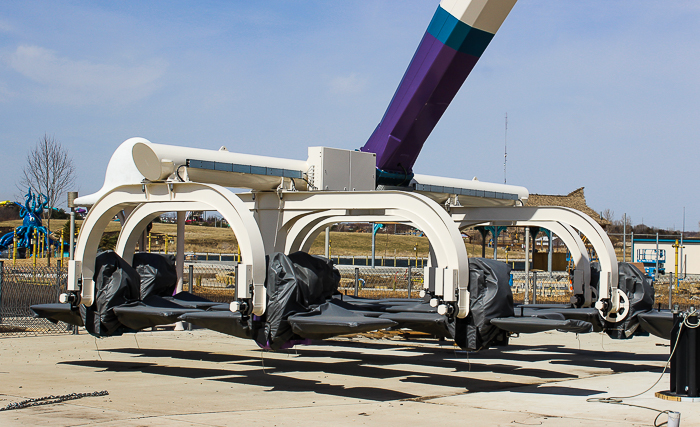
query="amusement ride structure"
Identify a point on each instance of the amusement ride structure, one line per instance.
(291, 201)
(27, 235)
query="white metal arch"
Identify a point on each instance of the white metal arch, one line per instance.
(277, 214)
(132, 229)
(579, 220)
(305, 231)
(573, 243)
(162, 197)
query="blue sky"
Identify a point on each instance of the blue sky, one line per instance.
(599, 94)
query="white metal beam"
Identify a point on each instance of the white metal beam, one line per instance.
(164, 197)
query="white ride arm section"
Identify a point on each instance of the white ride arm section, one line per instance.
(274, 212)
(164, 197)
(609, 301)
(303, 233)
(157, 162)
(135, 224)
(573, 242)
(469, 192)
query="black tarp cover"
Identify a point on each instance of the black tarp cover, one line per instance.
(589, 315)
(116, 283)
(295, 284)
(227, 322)
(157, 273)
(490, 298)
(58, 312)
(152, 311)
(659, 323)
(531, 325)
(331, 319)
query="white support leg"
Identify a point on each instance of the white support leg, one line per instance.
(180, 259)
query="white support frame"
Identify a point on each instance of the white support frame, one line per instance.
(304, 231)
(147, 200)
(608, 291)
(571, 240)
(286, 219)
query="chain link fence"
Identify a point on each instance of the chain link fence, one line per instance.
(381, 282)
(684, 291)
(549, 288)
(23, 286)
(557, 289)
(215, 281)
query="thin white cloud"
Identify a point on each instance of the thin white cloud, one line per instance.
(63, 80)
(341, 85)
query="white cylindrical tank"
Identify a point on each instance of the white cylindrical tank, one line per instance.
(158, 161)
(471, 192)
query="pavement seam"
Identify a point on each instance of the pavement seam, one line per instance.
(232, 411)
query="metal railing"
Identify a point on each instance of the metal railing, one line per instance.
(381, 282)
(21, 287)
(541, 287)
(215, 281)
(684, 291)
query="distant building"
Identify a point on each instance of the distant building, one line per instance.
(688, 256)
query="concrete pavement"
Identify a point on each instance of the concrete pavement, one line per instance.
(204, 378)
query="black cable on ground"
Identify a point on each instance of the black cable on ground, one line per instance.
(618, 400)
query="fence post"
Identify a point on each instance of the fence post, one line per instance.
(534, 287)
(526, 288)
(410, 281)
(190, 284)
(2, 277)
(58, 278)
(357, 281)
(191, 279)
(670, 291)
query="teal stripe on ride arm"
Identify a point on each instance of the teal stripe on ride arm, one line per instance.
(457, 35)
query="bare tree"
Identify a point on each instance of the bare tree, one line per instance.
(49, 171)
(608, 214)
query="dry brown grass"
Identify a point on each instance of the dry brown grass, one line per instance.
(222, 240)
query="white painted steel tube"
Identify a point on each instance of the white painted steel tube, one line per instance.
(158, 161)
(472, 184)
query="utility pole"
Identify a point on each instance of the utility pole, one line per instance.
(656, 272)
(682, 233)
(505, 151)
(72, 195)
(624, 237)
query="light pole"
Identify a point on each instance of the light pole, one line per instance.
(72, 195)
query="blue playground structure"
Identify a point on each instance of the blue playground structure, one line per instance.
(30, 213)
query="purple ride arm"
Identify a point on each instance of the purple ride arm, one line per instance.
(457, 35)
